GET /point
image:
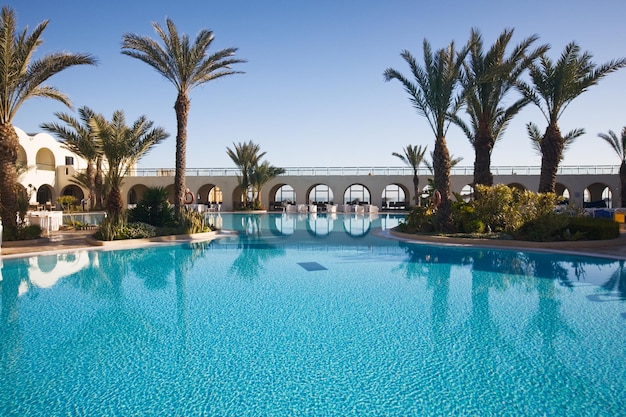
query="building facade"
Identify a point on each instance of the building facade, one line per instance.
(49, 170)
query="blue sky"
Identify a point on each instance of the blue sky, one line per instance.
(313, 92)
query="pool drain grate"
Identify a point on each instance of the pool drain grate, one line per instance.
(312, 266)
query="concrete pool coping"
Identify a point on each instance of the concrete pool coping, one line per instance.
(72, 240)
(611, 248)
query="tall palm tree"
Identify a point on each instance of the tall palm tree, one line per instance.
(454, 161)
(489, 77)
(619, 146)
(261, 175)
(22, 78)
(78, 137)
(123, 146)
(246, 157)
(555, 86)
(187, 66)
(413, 156)
(434, 96)
(535, 136)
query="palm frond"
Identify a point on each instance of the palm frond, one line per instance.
(21, 77)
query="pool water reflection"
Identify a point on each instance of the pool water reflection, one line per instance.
(316, 225)
(305, 316)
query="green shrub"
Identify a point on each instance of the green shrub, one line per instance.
(593, 228)
(419, 220)
(506, 209)
(192, 222)
(23, 232)
(562, 227)
(494, 206)
(32, 231)
(108, 231)
(546, 228)
(67, 202)
(135, 231)
(153, 208)
(464, 218)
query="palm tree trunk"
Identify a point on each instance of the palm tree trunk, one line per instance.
(91, 176)
(9, 143)
(99, 185)
(622, 180)
(416, 189)
(441, 168)
(483, 145)
(182, 114)
(258, 198)
(115, 205)
(552, 145)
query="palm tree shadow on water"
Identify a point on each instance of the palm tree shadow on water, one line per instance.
(254, 248)
(482, 338)
(511, 267)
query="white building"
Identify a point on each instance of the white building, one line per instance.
(49, 168)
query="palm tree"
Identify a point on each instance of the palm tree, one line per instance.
(246, 157)
(489, 77)
(619, 146)
(261, 175)
(78, 137)
(413, 157)
(123, 146)
(454, 161)
(22, 78)
(555, 86)
(535, 136)
(186, 66)
(433, 96)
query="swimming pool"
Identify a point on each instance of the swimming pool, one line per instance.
(286, 321)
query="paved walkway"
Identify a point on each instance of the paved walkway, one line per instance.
(72, 240)
(57, 241)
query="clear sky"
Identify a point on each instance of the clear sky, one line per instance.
(313, 92)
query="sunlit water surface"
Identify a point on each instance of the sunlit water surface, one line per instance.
(312, 315)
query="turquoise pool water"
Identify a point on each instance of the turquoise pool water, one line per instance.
(301, 317)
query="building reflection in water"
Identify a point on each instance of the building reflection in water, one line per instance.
(323, 224)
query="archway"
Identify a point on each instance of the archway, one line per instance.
(23, 197)
(320, 194)
(45, 160)
(394, 196)
(45, 194)
(135, 194)
(562, 193)
(356, 194)
(281, 195)
(74, 191)
(597, 195)
(210, 194)
(22, 162)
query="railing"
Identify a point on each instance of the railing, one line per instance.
(44, 167)
(382, 171)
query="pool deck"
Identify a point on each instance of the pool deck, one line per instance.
(63, 241)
